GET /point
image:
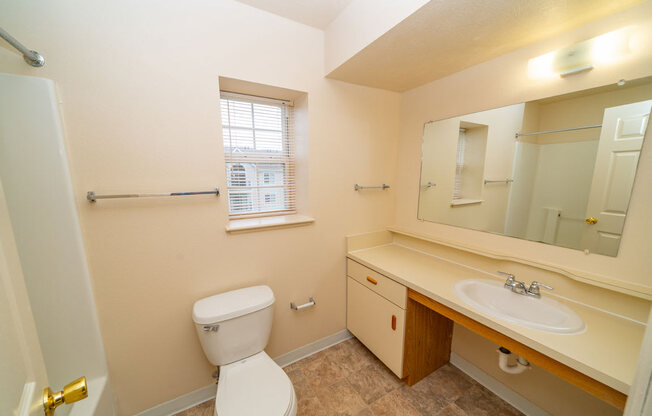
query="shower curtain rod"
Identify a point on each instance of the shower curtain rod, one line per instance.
(31, 57)
(594, 126)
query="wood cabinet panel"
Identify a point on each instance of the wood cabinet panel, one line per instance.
(428, 337)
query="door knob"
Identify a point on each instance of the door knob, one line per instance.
(72, 392)
(591, 220)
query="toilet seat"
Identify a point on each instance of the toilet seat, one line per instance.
(255, 386)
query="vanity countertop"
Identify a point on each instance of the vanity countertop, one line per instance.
(607, 351)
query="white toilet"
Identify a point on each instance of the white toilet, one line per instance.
(234, 328)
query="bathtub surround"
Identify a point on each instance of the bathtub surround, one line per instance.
(44, 225)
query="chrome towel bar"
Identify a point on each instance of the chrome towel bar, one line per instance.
(93, 197)
(486, 181)
(305, 305)
(593, 126)
(357, 187)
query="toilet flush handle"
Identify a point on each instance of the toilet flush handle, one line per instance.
(211, 328)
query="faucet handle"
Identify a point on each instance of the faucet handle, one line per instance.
(534, 288)
(510, 278)
(537, 284)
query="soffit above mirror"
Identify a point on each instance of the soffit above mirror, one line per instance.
(444, 37)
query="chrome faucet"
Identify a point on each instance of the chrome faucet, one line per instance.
(533, 290)
(514, 285)
(519, 287)
(510, 279)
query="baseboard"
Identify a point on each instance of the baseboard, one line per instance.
(314, 347)
(499, 389)
(182, 402)
(207, 393)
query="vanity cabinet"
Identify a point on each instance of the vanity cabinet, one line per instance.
(408, 320)
(376, 314)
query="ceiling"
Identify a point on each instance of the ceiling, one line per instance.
(315, 13)
(446, 36)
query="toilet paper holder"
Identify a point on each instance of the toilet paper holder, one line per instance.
(311, 302)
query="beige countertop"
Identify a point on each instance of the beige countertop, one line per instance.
(607, 351)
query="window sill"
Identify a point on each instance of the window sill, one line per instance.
(266, 223)
(457, 202)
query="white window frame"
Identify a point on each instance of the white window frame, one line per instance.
(285, 158)
(459, 164)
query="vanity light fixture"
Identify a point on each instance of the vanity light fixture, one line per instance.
(583, 56)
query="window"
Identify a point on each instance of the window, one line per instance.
(459, 165)
(258, 148)
(469, 164)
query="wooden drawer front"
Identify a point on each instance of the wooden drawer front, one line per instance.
(370, 318)
(384, 286)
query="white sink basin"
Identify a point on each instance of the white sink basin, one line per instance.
(544, 314)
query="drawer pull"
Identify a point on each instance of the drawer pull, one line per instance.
(394, 322)
(372, 281)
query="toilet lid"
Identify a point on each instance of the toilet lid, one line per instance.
(255, 386)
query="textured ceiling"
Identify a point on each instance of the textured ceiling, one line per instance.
(315, 13)
(446, 36)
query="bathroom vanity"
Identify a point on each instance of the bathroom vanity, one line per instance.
(402, 306)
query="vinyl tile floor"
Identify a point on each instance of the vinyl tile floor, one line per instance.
(347, 379)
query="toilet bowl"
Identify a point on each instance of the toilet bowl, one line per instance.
(255, 386)
(233, 328)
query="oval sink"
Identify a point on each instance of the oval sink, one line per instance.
(543, 313)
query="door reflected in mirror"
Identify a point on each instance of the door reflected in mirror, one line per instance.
(559, 170)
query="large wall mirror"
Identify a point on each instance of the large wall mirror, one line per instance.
(559, 170)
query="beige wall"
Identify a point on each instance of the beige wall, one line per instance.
(138, 83)
(504, 81)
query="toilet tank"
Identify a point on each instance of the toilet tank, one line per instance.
(234, 325)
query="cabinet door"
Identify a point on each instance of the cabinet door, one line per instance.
(377, 323)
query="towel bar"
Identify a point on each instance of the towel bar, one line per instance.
(93, 197)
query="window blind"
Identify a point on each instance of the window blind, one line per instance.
(459, 165)
(259, 151)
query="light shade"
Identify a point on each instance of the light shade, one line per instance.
(582, 56)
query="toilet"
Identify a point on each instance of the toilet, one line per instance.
(233, 329)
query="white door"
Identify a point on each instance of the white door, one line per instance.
(22, 370)
(621, 139)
